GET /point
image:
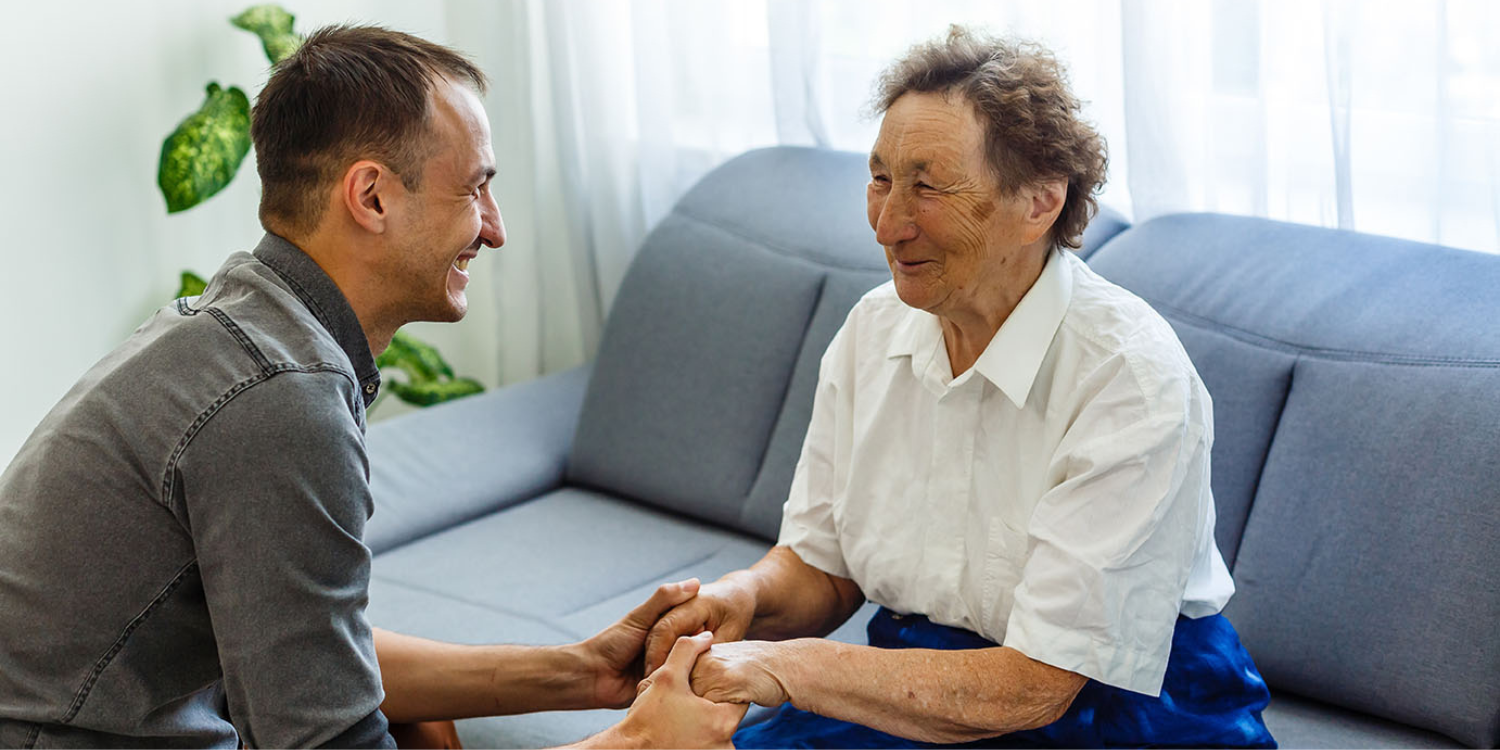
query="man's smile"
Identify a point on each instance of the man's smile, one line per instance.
(462, 262)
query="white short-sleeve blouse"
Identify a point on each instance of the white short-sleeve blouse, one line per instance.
(1054, 498)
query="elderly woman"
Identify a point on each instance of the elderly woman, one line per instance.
(1006, 451)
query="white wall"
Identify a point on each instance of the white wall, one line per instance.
(90, 90)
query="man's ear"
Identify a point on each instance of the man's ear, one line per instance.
(367, 190)
(1044, 202)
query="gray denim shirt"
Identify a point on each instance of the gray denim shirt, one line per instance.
(181, 539)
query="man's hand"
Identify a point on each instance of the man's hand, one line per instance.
(614, 655)
(743, 672)
(666, 713)
(723, 607)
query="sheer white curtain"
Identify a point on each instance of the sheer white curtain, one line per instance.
(1381, 117)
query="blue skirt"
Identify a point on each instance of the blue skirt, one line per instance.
(1212, 697)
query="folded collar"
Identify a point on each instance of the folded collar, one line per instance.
(327, 303)
(1014, 356)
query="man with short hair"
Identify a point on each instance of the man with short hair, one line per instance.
(181, 554)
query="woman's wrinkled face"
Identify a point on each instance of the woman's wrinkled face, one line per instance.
(936, 206)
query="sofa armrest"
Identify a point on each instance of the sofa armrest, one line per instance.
(441, 466)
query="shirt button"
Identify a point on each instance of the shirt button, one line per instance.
(370, 388)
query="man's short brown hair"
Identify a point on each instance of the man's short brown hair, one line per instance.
(1031, 120)
(348, 93)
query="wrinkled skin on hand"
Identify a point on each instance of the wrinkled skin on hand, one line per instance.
(741, 672)
(667, 713)
(722, 607)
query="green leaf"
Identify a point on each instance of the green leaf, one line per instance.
(273, 25)
(192, 285)
(428, 377)
(429, 392)
(417, 359)
(201, 156)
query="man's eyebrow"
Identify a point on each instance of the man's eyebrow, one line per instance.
(482, 175)
(875, 161)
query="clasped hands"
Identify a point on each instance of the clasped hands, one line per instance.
(696, 678)
(732, 670)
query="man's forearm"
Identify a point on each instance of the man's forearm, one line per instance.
(427, 680)
(794, 599)
(923, 694)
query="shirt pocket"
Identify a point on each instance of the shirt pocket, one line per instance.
(1004, 559)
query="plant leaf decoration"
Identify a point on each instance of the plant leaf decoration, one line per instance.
(273, 24)
(192, 285)
(429, 378)
(201, 156)
(429, 392)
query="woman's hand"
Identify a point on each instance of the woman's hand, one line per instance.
(743, 672)
(614, 656)
(666, 713)
(723, 607)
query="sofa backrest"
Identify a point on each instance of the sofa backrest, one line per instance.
(1356, 468)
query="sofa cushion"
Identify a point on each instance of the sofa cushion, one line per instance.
(1302, 723)
(692, 369)
(1367, 576)
(450, 463)
(514, 561)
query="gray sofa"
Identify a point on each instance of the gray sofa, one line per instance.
(1356, 385)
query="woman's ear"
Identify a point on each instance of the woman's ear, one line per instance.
(1045, 202)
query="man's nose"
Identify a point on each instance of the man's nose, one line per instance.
(893, 225)
(492, 230)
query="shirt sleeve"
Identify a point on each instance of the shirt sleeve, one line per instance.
(276, 494)
(1113, 542)
(807, 519)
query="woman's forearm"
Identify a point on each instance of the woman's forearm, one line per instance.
(428, 681)
(924, 694)
(794, 599)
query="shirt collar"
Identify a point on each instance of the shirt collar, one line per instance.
(1014, 356)
(327, 303)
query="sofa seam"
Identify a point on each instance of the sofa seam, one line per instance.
(537, 619)
(466, 521)
(648, 579)
(1316, 352)
(1291, 380)
(786, 388)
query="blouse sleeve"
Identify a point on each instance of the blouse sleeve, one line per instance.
(1113, 542)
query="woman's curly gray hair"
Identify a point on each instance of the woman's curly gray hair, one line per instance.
(1031, 120)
